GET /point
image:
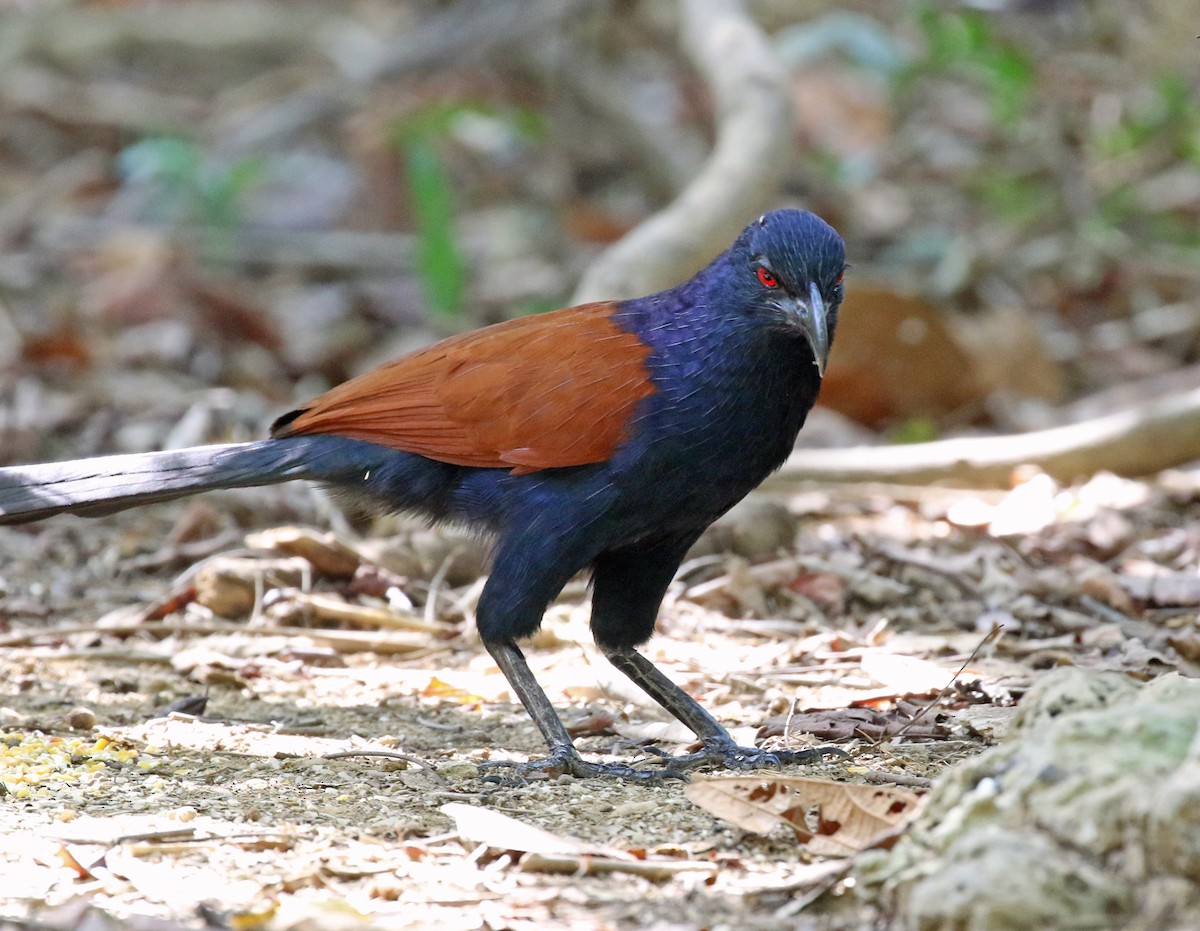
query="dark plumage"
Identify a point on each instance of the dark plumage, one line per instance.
(603, 437)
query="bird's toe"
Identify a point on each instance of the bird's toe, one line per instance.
(723, 752)
(564, 763)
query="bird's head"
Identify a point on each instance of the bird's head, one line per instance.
(787, 268)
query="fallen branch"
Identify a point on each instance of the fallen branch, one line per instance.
(753, 132)
(1139, 441)
(341, 641)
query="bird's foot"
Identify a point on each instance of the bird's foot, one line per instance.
(566, 761)
(722, 751)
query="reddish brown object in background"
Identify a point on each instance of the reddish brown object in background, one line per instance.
(895, 359)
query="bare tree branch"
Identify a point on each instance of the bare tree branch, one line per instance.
(741, 176)
(1137, 441)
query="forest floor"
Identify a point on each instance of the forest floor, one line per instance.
(213, 211)
(310, 790)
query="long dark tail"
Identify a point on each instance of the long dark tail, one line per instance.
(105, 484)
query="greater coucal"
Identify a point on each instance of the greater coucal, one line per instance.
(603, 437)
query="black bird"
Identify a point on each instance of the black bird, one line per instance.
(604, 437)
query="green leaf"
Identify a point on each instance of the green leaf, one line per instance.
(917, 430)
(965, 42)
(439, 264)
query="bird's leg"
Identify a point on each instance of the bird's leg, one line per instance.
(511, 660)
(510, 607)
(563, 758)
(718, 746)
(628, 587)
(646, 676)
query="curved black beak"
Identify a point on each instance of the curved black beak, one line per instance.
(814, 323)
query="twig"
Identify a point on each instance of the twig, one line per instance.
(600, 96)
(87, 35)
(1130, 627)
(879, 777)
(953, 575)
(388, 755)
(991, 635)
(324, 607)
(110, 104)
(190, 552)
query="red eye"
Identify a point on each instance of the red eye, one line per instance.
(768, 280)
(838, 281)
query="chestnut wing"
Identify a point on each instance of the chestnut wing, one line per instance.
(541, 392)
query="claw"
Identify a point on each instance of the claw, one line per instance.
(564, 762)
(716, 751)
(721, 751)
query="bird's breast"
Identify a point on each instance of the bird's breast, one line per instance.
(724, 415)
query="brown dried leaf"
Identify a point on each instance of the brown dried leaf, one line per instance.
(231, 313)
(447, 692)
(132, 277)
(844, 723)
(842, 110)
(596, 724)
(230, 586)
(74, 856)
(59, 348)
(896, 359)
(831, 818)
(1008, 353)
(329, 555)
(1186, 644)
(1098, 581)
(656, 870)
(826, 590)
(376, 582)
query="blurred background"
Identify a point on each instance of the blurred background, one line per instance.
(210, 211)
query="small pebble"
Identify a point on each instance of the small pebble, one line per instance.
(81, 719)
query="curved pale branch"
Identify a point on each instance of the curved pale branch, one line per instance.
(1138, 441)
(753, 132)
